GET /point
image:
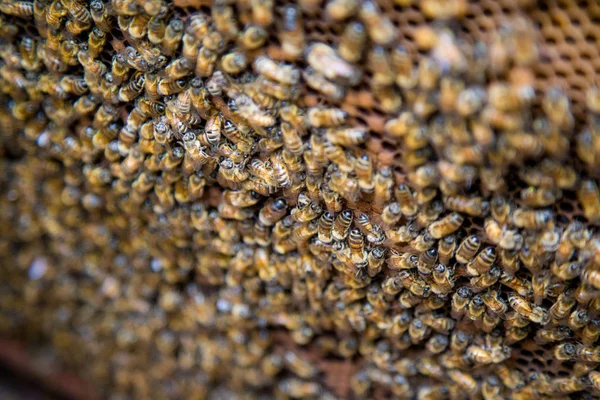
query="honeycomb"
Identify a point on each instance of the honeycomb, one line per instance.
(312, 199)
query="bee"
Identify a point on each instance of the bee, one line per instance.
(374, 233)
(18, 8)
(380, 28)
(326, 117)
(443, 280)
(578, 319)
(172, 37)
(589, 198)
(364, 172)
(569, 385)
(356, 243)
(346, 137)
(511, 378)
(427, 261)
(133, 88)
(508, 239)
(514, 335)
(533, 313)
(479, 355)
(212, 130)
(297, 388)
(325, 61)
(521, 286)
(566, 271)
(424, 176)
(473, 206)
(594, 377)
(540, 197)
(465, 381)
(562, 306)
(233, 63)
(341, 225)
(431, 392)
(292, 36)
(445, 226)
(353, 41)
(248, 110)
(446, 249)
(319, 83)
(402, 261)
(375, 260)
(476, 308)
(205, 62)
(298, 366)
(407, 202)
(418, 331)
(391, 286)
(558, 334)
(460, 302)
(494, 303)
(591, 276)
(284, 74)
(590, 332)
(262, 12)
(482, 262)
(253, 37)
(531, 219)
(391, 214)
(382, 190)
(486, 279)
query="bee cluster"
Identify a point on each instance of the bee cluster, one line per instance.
(189, 209)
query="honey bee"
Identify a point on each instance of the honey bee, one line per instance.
(233, 63)
(325, 61)
(250, 111)
(380, 28)
(460, 302)
(526, 309)
(341, 225)
(431, 392)
(508, 239)
(427, 260)
(476, 308)
(374, 233)
(569, 385)
(375, 260)
(284, 74)
(566, 271)
(589, 198)
(494, 303)
(253, 37)
(445, 226)
(18, 8)
(590, 332)
(540, 197)
(558, 334)
(292, 36)
(319, 83)
(563, 305)
(474, 206)
(297, 388)
(465, 381)
(511, 378)
(578, 319)
(402, 261)
(133, 88)
(522, 287)
(391, 214)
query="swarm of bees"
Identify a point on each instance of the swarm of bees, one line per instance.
(181, 220)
